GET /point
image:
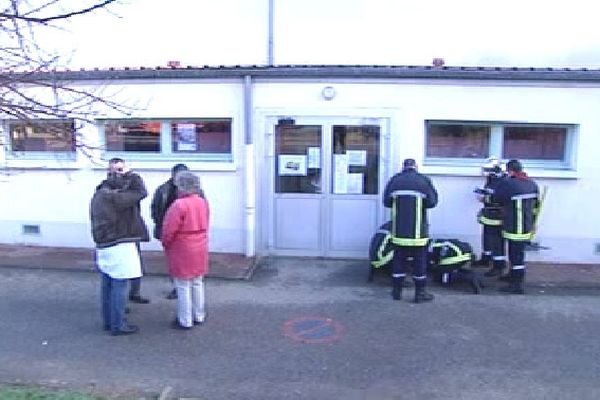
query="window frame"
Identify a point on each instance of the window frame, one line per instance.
(496, 145)
(166, 152)
(42, 155)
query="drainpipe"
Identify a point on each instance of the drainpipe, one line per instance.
(270, 44)
(250, 170)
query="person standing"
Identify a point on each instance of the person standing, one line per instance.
(163, 197)
(185, 239)
(490, 218)
(115, 233)
(116, 166)
(519, 197)
(409, 194)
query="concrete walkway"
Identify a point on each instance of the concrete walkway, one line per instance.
(222, 265)
(237, 266)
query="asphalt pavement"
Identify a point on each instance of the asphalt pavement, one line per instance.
(305, 329)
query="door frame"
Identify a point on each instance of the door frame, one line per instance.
(268, 119)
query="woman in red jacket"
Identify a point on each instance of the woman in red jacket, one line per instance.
(185, 240)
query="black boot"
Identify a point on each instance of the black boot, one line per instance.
(516, 284)
(397, 288)
(421, 295)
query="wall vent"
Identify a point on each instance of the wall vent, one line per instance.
(31, 229)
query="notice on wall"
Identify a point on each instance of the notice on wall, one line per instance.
(186, 137)
(355, 184)
(340, 173)
(292, 164)
(314, 157)
(357, 157)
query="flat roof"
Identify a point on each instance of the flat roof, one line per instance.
(322, 71)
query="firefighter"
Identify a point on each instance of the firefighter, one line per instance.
(490, 217)
(519, 197)
(409, 194)
(381, 249)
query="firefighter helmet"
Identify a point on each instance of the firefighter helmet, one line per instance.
(492, 166)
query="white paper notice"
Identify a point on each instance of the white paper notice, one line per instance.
(314, 157)
(357, 157)
(340, 177)
(292, 164)
(355, 184)
(186, 137)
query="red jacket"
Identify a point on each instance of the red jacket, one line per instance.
(185, 237)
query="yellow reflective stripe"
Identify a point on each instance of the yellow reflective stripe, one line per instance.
(517, 236)
(409, 242)
(455, 259)
(459, 257)
(418, 207)
(519, 215)
(383, 259)
(489, 221)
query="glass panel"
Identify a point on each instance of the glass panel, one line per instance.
(534, 142)
(355, 163)
(143, 136)
(42, 135)
(201, 136)
(457, 140)
(298, 159)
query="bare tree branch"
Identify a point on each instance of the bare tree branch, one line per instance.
(44, 20)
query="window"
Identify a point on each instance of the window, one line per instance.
(203, 139)
(458, 140)
(50, 137)
(546, 145)
(143, 136)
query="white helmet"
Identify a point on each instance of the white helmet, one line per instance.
(492, 166)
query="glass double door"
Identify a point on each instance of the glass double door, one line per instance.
(326, 178)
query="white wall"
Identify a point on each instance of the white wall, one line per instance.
(567, 222)
(55, 196)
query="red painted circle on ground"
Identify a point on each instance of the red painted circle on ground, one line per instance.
(313, 330)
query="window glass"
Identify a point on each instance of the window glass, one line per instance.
(42, 136)
(201, 136)
(534, 142)
(457, 140)
(298, 159)
(142, 136)
(358, 147)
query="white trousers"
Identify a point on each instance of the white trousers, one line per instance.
(190, 301)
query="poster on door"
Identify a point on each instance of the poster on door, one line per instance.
(340, 173)
(292, 164)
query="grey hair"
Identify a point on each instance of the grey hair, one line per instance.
(187, 183)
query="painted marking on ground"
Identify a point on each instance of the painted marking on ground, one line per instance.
(313, 330)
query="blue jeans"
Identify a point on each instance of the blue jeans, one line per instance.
(114, 300)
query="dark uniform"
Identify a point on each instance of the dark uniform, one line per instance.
(381, 249)
(409, 194)
(519, 197)
(490, 217)
(449, 261)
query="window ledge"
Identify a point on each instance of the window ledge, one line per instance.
(167, 165)
(438, 170)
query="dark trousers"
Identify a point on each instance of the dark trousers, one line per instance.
(516, 253)
(493, 242)
(413, 257)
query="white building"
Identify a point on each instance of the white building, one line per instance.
(294, 159)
